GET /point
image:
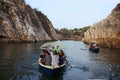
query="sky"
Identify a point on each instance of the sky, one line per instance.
(74, 13)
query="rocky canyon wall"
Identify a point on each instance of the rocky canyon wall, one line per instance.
(20, 23)
(106, 32)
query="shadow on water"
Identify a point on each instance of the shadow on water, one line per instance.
(51, 77)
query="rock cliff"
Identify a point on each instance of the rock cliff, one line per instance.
(20, 23)
(106, 32)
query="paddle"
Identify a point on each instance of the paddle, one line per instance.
(68, 64)
(34, 63)
(31, 65)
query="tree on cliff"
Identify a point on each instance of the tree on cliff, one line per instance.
(73, 33)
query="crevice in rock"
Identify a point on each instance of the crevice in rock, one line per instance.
(3, 37)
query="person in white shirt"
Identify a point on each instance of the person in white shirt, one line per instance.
(55, 59)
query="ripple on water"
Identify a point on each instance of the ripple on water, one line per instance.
(16, 59)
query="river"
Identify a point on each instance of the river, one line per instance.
(18, 62)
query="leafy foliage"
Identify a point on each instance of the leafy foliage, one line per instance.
(76, 33)
(70, 33)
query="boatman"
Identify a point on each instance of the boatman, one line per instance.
(57, 49)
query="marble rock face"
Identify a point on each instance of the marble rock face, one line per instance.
(106, 32)
(20, 23)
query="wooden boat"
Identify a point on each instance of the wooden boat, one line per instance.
(51, 70)
(96, 50)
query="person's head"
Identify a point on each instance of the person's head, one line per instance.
(55, 53)
(44, 50)
(61, 52)
(53, 47)
(47, 53)
(57, 46)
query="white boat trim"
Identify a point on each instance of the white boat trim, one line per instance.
(52, 67)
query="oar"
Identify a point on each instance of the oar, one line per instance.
(71, 66)
(30, 66)
(34, 63)
(68, 64)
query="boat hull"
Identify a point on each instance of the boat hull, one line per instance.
(96, 50)
(49, 70)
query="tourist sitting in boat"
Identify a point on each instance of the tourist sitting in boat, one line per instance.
(55, 59)
(48, 58)
(93, 45)
(42, 57)
(62, 57)
(45, 57)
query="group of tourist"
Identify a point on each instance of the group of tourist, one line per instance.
(93, 45)
(53, 56)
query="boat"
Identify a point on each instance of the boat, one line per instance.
(51, 70)
(93, 47)
(96, 50)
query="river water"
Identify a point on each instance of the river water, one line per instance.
(18, 62)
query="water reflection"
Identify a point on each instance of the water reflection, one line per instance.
(8, 57)
(108, 62)
(51, 77)
(14, 56)
(16, 60)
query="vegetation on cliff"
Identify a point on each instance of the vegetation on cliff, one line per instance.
(73, 34)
